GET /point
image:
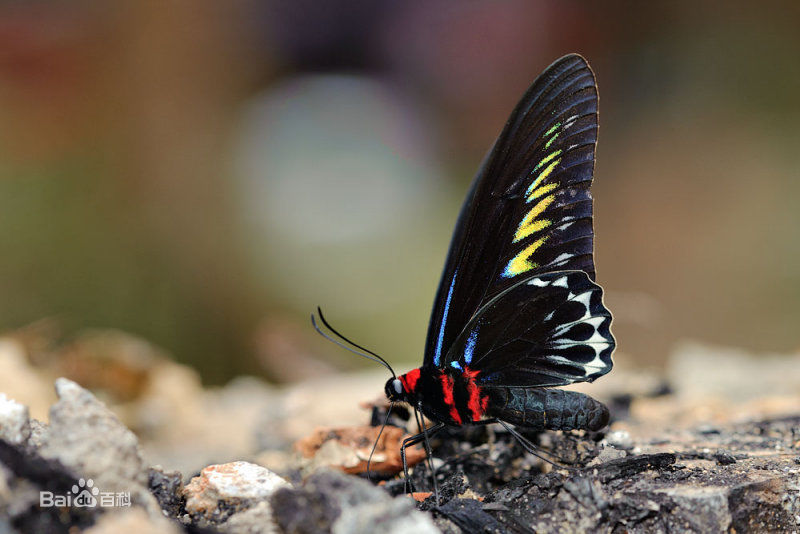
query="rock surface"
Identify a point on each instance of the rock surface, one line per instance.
(224, 490)
(89, 439)
(255, 520)
(15, 426)
(329, 501)
(692, 454)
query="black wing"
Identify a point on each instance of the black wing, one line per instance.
(529, 210)
(547, 330)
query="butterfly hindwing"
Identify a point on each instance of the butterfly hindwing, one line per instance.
(529, 210)
(547, 330)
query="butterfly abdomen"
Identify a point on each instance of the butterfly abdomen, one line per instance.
(547, 409)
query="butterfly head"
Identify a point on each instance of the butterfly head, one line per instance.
(402, 388)
(394, 390)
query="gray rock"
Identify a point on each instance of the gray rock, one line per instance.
(394, 516)
(88, 438)
(38, 432)
(607, 454)
(16, 495)
(330, 501)
(255, 520)
(166, 487)
(649, 494)
(699, 509)
(23, 476)
(15, 425)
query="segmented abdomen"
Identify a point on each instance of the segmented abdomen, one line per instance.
(547, 409)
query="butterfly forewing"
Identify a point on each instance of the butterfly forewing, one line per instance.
(529, 210)
(547, 330)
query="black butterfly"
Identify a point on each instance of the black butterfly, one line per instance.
(517, 311)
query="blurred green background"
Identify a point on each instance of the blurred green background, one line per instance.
(203, 174)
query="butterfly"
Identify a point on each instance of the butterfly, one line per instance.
(518, 312)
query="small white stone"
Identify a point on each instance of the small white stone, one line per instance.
(236, 483)
(620, 439)
(15, 426)
(607, 454)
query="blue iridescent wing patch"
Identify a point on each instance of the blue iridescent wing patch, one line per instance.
(550, 329)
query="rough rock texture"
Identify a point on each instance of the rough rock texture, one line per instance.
(727, 477)
(167, 488)
(15, 426)
(88, 438)
(84, 444)
(654, 493)
(329, 501)
(255, 520)
(24, 475)
(696, 453)
(224, 490)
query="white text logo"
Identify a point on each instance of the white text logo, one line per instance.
(84, 494)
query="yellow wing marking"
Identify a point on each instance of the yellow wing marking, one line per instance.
(546, 172)
(547, 158)
(520, 263)
(529, 223)
(542, 191)
(539, 179)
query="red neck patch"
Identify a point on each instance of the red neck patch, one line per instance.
(409, 380)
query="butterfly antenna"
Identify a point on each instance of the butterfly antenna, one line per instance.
(369, 460)
(366, 353)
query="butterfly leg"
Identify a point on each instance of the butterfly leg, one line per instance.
(428, 450)
(413, 440)
(530, 447)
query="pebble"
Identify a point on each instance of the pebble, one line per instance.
(236, 485)
(606, 455)
(620, 439)
(15, 425)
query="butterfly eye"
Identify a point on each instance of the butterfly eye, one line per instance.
(398, 387)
